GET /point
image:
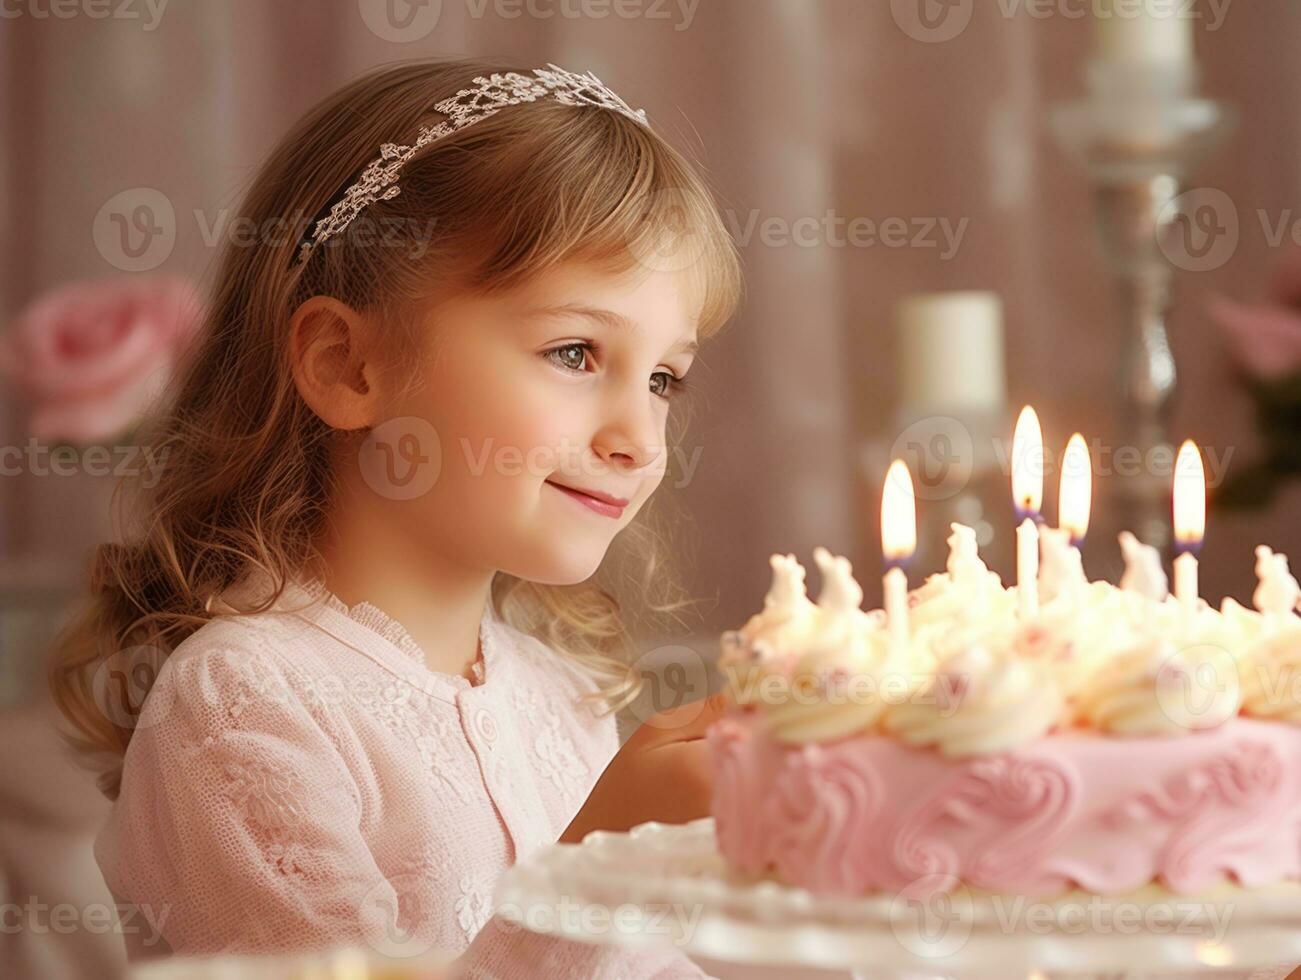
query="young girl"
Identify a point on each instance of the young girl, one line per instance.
(361, 599)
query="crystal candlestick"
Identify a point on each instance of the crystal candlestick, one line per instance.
(1138, 133)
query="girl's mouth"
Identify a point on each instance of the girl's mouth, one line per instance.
(604, 504)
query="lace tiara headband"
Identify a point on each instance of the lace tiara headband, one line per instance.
(486, 97)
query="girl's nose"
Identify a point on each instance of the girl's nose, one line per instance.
(633, 435)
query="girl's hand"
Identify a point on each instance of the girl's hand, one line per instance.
(660, 773)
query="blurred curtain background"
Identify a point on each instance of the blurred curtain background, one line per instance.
(796, 109)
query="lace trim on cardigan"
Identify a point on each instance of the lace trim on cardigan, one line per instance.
(377, 620)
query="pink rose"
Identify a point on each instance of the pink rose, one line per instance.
(1266, 339)
(92, 356)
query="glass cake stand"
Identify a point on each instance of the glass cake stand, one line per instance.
(663, 883)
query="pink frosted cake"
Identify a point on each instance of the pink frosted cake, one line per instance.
(1116, 741)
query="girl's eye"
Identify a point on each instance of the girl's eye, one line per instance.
(573, 357)
(569, 362)
(671, 385)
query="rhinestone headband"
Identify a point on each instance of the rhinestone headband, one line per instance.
(487, 96)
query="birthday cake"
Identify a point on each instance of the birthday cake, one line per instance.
(1115, 740)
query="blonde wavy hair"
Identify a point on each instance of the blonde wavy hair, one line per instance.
(248, 469)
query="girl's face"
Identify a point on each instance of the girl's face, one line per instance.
(544, 412)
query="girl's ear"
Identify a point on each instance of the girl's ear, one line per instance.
(334, 363)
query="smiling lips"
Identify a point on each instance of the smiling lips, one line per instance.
(602, 503)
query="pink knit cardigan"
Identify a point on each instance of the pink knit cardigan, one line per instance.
(299, 779)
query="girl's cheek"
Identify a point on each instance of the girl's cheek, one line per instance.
(506, 419)
(519, 438)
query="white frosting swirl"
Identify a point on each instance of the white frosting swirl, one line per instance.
(831, 685)
(1076, 632)
(975, 677)
(979, 702)
(1173, 681)
(766, 640)
(1270, 671)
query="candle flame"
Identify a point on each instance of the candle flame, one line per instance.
(1027, 461)
(898, 513)
(1189, 495)
(1075, 492)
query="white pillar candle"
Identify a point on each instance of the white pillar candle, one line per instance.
(1143, 31)
(951, 352)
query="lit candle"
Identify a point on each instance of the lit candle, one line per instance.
(1061, 567)
(898, 541)
(1075, 491)
(1027, 494)
(1189, 520)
